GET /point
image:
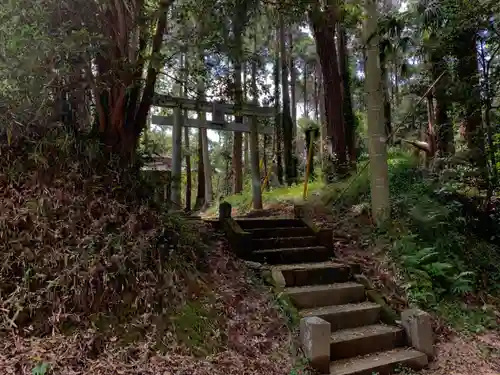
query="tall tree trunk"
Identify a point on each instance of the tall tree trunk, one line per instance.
(306, 104)
(238, 136)
(183, 90)
(323, 22)
(152, 72)
(349, 118)
(286, 119)
(278, 125)
(387, 102)
(246, 136)
(293, 83)
(468, 74)
(376, 131)
(395, 86)
(444, 130)
(317, 84)
(254, 139)
(320, 107)
(430, 134)
(239, 19)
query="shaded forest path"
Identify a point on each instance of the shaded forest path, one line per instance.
(364, 338)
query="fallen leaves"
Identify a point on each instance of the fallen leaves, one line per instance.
(258, 340)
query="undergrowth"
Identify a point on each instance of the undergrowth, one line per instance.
(445, 267)
(98, 277)
(81, 244)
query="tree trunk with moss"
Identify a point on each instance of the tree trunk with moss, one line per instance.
(375, 114)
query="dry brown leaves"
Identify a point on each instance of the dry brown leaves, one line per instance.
(86, 262)
(258, 341)
(478, 355)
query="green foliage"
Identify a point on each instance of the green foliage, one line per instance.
(440, 258)
(41, 369)
(301, 367)
(467, 318)
(198, 325)
(429, 278)
(285, 306)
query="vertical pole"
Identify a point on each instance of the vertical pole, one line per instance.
(176, 158)
(308, 167)
(254, 157)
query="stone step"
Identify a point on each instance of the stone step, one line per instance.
(248, 224)
(292, 255)
(383, 363)
(320, 273)
(347, 316)
(364, 340)
(304, 297)
(284, 242)
(281, 232)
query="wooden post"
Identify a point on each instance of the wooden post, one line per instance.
(176, 159)
(254, 162)
(308, 166)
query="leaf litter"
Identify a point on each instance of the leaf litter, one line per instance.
(97, 279)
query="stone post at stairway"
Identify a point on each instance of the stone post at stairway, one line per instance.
(225, 211)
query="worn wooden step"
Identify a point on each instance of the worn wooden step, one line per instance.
(292, 255)
(364, 340)
(281, 232)
(347, 316)
(247, 224)
(326, 295)
(319, 273)
(284, 242)
(383, 363)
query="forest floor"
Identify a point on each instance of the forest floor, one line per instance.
(96, 279)
(250, 336)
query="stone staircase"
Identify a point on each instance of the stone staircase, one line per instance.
(360, 343)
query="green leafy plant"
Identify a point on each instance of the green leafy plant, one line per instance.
(40, 369)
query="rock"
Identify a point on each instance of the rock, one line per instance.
(418, 327)
(278, 278)
(363, 280)
(315, 342)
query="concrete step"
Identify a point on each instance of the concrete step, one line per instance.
(364, 340)
(347, 316)
(247, 224)
(320, 273)
(284, 242)
(304, 297)
(383, 363)
(292, 255)
(281, 232)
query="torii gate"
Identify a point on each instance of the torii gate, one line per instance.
(218, 110)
